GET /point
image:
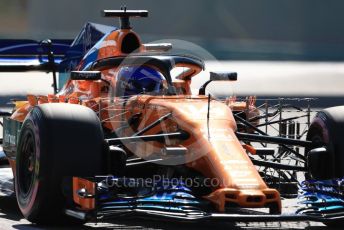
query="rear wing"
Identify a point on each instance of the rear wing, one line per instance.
(29, 55)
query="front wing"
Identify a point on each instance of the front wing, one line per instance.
(126, 197)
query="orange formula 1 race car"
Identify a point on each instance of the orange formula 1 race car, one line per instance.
(125, 137)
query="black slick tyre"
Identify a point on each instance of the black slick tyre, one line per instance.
(57, 141)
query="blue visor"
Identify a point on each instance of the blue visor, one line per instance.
(139, 80)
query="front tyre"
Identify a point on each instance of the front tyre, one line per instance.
(57, 141)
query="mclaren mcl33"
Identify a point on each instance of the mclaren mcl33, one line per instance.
(123, 135)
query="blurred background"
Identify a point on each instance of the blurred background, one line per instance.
(229, 29)
(279, 48)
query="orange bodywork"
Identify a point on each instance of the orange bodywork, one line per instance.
(89, 187)
(213, 148)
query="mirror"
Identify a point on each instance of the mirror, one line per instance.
(218, 76)
(223, 76)
(85, 75)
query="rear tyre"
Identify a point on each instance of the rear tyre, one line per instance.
(328, 128)
(57, 141)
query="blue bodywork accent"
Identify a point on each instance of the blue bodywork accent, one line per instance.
(162, 195)
(320, 197)
(87, 40)
(85, 45)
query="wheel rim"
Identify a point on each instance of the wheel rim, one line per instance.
(26, 172)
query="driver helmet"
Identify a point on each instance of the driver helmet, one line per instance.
(134, 80)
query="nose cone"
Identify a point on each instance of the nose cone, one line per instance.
(230, 198)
